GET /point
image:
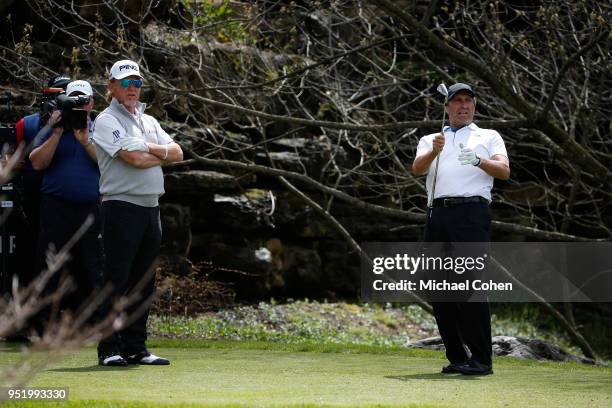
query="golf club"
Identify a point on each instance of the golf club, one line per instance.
(442, 90)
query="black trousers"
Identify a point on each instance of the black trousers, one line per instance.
(30, 204)
(59, 220)
(132, 237)
(462, 323)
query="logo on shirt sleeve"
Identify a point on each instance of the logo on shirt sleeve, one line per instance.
(116, 135)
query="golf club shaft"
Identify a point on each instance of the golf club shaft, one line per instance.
(433, 189)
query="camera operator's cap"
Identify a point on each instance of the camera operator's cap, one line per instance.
(124, 68)
(59, 81)
(79, 86)
(458, 87)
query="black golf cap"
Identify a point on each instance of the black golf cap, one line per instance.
(60, 81)
(458, 87)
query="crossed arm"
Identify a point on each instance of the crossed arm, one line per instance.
(155, 156)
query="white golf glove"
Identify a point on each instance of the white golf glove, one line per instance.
(467, 156)
(134, 144)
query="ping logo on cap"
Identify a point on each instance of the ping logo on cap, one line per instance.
(124, 68)
(127, 66)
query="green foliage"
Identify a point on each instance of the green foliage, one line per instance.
(326, 110)
(340, 324)
(300, 322)
(220, 17)
(24, 47)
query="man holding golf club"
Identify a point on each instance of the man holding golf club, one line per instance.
(461, 163)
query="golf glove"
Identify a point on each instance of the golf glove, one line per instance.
(467, 156)
(134, 144)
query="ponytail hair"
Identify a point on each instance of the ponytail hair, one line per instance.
(109, 94)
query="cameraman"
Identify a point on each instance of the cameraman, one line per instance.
(27, 128)
(69, 190)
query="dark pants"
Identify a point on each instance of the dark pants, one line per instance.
(30, 204)
(462, 323)
(132, 237)
(59, 220)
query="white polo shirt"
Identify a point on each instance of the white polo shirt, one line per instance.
(455, 179)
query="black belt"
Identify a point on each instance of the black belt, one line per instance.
(452, 201)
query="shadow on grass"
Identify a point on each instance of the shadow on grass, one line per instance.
(92, 368)
(432, 376)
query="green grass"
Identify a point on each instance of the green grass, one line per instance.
(252, 373)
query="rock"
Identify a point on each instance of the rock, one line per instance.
(187, 137)
(289, 143)
(534, 349)
(519, 347)
(263, 268)
(341, 269)
(292, 217)
(244, 212)
(433, 343)
(176, 221)
(248, 265)
(5, 5)
(12, 97)
(200, 182)
(532, 194)
(300, 269)
(361, 228)
(301, 155)
(14, 104)
(200, 139)
(286, 160)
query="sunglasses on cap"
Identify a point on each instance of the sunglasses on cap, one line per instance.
(125, 83)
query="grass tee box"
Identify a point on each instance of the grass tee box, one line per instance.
(240, 373)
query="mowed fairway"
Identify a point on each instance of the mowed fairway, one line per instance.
(250, 374)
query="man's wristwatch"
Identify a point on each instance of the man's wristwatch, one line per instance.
(478, 162)
(89, 142)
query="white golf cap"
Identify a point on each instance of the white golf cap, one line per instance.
(124, 68)
(79, 86)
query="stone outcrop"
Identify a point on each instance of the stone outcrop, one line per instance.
(259, 236)
(519, 347)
